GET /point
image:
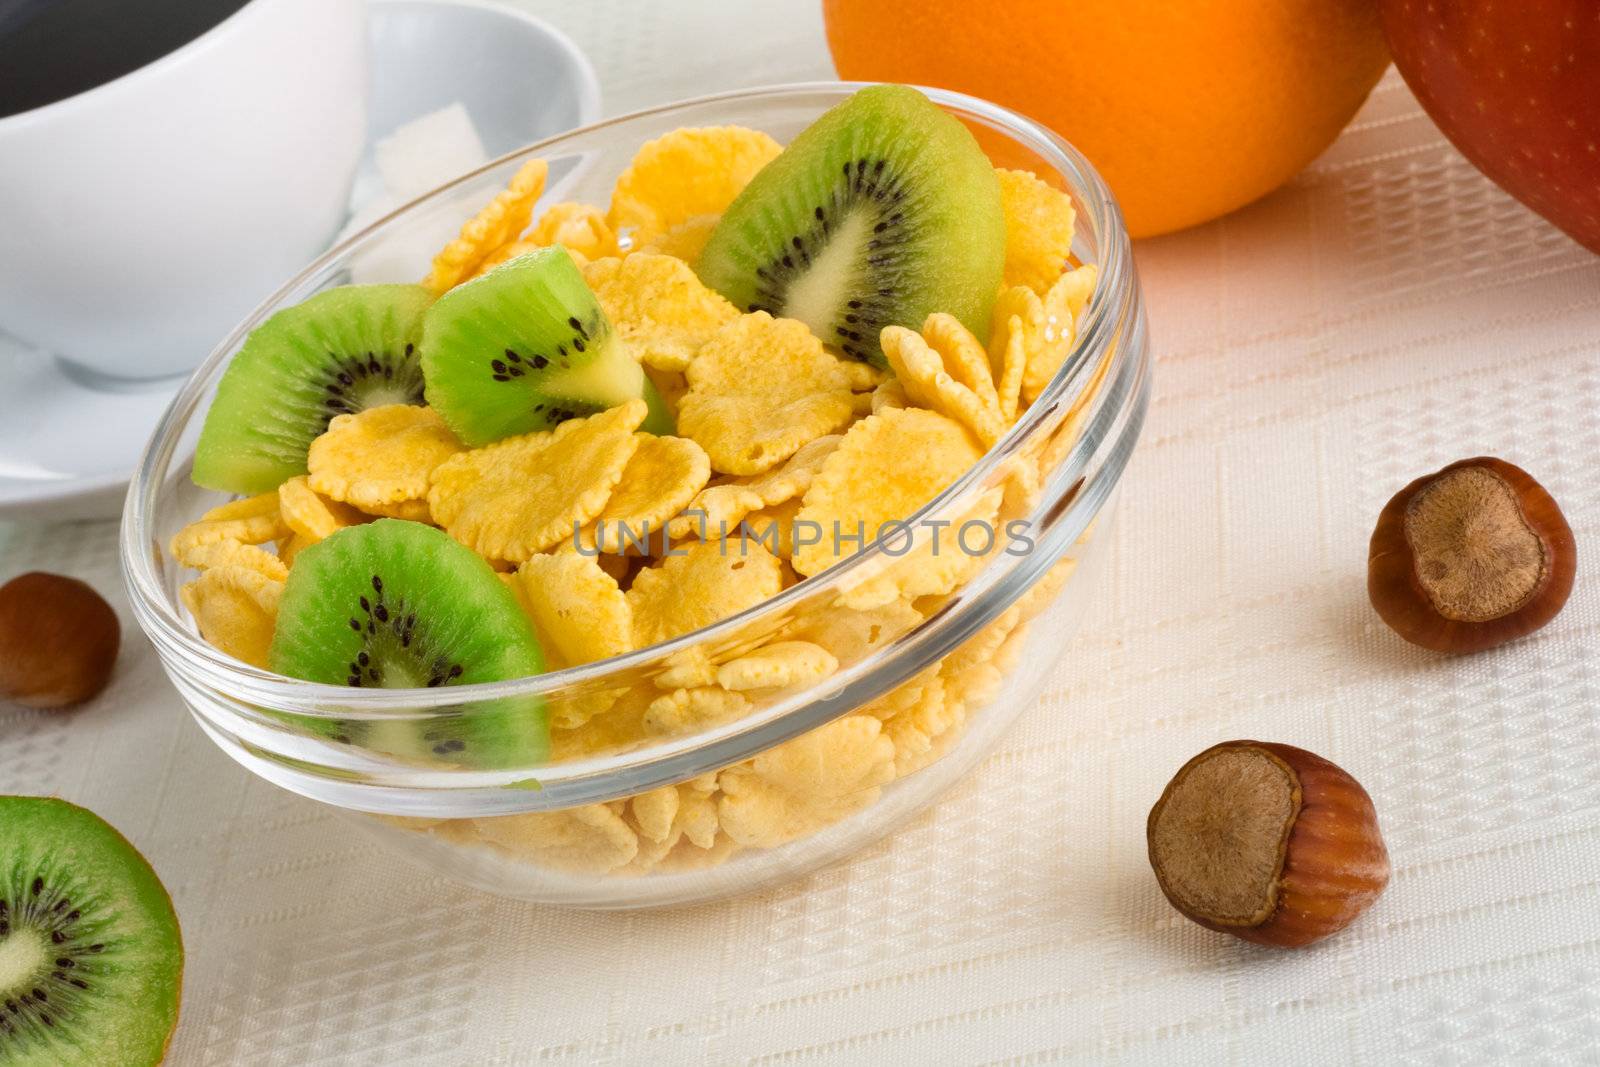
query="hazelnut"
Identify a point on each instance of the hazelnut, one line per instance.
(1470, 557)
(58, 640)
(1267, 842)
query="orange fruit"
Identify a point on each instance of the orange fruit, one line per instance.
(1188, 109)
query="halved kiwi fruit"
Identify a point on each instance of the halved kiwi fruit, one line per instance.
(881, 212)
(525, 347)
(91, 958)
(400, 605)
(343, 350)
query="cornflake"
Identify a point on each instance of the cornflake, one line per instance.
(501, 220)
(708, 581)
(937, 564)
(917, 730)
(672, 814)
(688, 668)
(250, 507)
(292, 546)
(410, 510)
(781, 665)
(684, 241)
(579, 228)
(887, 466)
(662, 476)
(235, 609)
(773, 527)
(311, 516)
(231, 553)
(1039, 222)
(505, 254)
(252, 521)
(696, 817)
(760, 390)
(904, 696)
(723, 506)
(657, 304)
(592, 839)
(653, 812)
(686, 710)
(1063, 306)
(523, 495)
(590, 719)
(946, 370)
(381, 457)
(802, 785)
(891, 394)
(684, 174)
(864, 377)
(577, 607)
(1018, 329)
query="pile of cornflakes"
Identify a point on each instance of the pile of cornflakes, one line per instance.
(775, 431)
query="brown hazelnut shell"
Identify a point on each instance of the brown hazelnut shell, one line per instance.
(1397, 592)
(1332, 862)
(58, 640)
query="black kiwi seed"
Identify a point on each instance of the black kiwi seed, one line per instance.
(349, 379)
(385, 627)
(853, 191)
(514, 365)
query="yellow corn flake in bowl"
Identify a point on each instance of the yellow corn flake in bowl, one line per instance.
(1039, 224)
(698, 585)
(524, 495)
(803, 785)
(577, 608)
(500, 221)
(235, 609)
(658, 306)
(945, 369)
(684, 174)
(887, 466)
(759, 391)
(311, 516)
(380, 457)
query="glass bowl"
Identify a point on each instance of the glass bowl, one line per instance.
(636, 807)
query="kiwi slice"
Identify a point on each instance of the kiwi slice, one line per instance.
(524, 347)
(344, 350)
(881, 212)
(91, 958)
(399, 605)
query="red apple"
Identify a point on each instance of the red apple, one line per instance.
(1515, 85)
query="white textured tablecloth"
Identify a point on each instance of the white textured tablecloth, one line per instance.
(1388, 312)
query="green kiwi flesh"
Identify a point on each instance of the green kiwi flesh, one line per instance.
(400, 605)
(343, 350)
(881, 212)
(526, 347)
(91, 957)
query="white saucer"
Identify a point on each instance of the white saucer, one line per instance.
(68, 445)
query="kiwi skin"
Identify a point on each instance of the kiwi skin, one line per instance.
(881, 212)
(114, 991)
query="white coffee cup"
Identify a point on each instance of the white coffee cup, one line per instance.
(141, 219)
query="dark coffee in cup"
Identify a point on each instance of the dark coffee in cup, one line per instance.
(53, 49)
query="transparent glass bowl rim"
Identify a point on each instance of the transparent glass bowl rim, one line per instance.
(158, 614)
